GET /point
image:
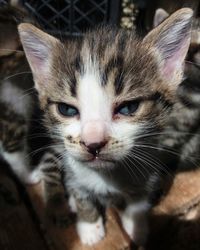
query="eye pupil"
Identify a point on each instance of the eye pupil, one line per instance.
(67, 110)
(127, 108)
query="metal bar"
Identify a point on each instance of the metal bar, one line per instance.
(114, 12)
(98, 5)
(60, 15)
(72, 17)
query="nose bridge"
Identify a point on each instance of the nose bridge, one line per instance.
(93, 98)
(95, 108)
(94, 131)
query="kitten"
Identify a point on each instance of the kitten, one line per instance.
(108, 95)
(16, 108)
(182, 133)
(15, 102)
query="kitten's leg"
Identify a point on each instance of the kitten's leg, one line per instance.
(54, 193)
(90, 226)
(134, 221)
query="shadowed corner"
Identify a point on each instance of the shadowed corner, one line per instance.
(175, 222)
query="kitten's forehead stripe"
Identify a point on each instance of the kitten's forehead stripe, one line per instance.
(119, 81)
(73, 86)
(113, 63)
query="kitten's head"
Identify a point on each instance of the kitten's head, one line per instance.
(103, 93)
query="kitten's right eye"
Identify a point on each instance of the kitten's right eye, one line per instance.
(67, 110)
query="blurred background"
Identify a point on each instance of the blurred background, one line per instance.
(72, 17)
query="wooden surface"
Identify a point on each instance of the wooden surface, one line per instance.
(23, 224)
(175, 222)
(62, 239)
(18, 227)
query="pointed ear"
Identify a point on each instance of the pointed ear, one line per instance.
(170, 42)
(38, 47)
(159, 17)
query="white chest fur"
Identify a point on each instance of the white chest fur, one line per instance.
(20, 165)
(85, 177)
(16, 161)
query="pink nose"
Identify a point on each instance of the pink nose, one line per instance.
(94, 136)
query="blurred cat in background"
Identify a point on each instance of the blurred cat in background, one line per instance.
(147, 10)
(25, 144)
(16, 103)
(182, 135)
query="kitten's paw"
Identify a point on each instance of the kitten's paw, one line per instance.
(90, 233)
(72, 204)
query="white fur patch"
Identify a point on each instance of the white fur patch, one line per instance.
(127, 218)
(90, 233)
(72, 129)
(95, 105)
(194, 97)
(86, 177)
(128, 224)
(72, 204)
(94, 100)
(137, 207)
(33, 177)
(19, 165)
(15, 97)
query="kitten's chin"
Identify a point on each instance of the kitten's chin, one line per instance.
(97, 163)
(100, 164)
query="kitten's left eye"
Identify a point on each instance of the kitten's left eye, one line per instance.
(127, 108)
(67, 110)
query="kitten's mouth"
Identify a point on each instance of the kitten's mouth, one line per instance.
(99, 162)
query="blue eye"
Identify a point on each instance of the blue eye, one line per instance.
(127, 108)
(67, 110)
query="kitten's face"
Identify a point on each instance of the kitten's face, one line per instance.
(107, 103)
(103, 93)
